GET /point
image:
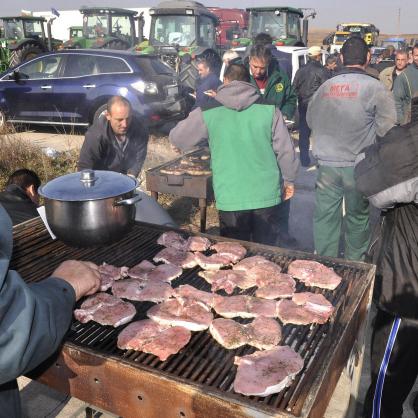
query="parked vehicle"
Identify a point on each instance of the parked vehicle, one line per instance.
(181, 33)
(105, 27)
(338, 41)
(24, 37)
(233, 24)
(397, 43)
(368, 31)
(72, 87)
(284, 24)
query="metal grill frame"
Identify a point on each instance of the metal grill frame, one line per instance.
(134, 384)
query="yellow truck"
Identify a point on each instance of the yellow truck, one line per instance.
(367, 31)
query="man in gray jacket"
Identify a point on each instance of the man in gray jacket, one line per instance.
(345, 114)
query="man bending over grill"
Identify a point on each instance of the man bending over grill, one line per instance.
(34, 317)
(253, 159)
(118, 141)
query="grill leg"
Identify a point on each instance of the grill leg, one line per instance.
(202, 206)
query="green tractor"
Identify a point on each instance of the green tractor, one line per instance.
(24, 37)
(105, 27)
(282, 23)
(181, 33)
(75, 32)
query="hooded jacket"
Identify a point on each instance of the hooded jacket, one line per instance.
(345, 115)
(405, 88)
(33, 320)
(251, 149)
(100, 150)
(17, 204)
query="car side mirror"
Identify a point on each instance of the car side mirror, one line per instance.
(15, 75)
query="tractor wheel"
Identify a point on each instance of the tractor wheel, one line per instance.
(116, 45)
(24, 53)
(189, 75)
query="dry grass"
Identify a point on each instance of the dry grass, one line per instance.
(16, 153)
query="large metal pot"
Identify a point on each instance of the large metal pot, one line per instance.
(90, 207)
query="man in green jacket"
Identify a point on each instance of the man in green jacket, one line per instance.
(253, 160)
(276, 88)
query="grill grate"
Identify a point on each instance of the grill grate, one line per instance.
(203, 361)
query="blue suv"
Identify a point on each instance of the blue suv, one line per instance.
(71, 87)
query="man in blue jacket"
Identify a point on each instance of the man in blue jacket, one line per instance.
(34, 317)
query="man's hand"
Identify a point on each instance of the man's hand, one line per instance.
(288, 191)
(211, 93)
(83, 276)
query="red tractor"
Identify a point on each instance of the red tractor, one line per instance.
(233, 24)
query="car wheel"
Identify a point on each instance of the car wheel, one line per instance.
(100, 112)
(24, 53)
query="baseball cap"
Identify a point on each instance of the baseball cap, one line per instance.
(314, 50)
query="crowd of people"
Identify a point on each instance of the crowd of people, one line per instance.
(364, 135)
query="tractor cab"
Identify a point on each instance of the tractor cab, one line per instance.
(105, 28)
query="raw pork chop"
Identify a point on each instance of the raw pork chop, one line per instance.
(108, 274)
(188, 293)
(173, 240)
(314, 302)
(291, 313)
(250, 262)
(262, 333)
(141, 270)
(179, 258)
(212, 262)
(153, 338)
(164, 273)
(198, 244)
(128, 288)
(193, 316)
(281, 285)
(245, 307)
(313, 273)
(232, 250)
(106, 310)
(228, 280)
(267, 372)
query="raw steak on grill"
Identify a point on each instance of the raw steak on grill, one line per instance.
(232, 250)
(281, 285)
(179, 258)
(198, 244)
(245, 307)
(106, 310)
(128, 288)
(267, 372)
(153, 338)
(155, 291)
(291, 313)
(108, 274)
(228, 280)
(313, 273)
(193, 316)
(188, 293)
(314, 302)
(212, 262)
(173, 240)
(164, 273)
(248, 263)
(263, 333)
(141, 270)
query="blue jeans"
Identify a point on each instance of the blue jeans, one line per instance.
(304, 134)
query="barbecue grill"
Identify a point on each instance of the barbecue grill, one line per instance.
(196, 382)
(185, 185)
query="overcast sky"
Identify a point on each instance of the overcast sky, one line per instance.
(383, 13)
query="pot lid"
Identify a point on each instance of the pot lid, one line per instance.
(88, 185)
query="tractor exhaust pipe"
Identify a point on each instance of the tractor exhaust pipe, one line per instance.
(141, 23)
(305, 25)
(49, 32)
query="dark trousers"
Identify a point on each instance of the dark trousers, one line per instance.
(390, 387)
(304, 134)
(257, 225)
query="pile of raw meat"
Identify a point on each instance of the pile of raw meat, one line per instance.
(179, 311)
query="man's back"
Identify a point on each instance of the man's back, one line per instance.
(17, 204)
(355, 107)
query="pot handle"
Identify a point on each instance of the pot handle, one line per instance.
(131, 201)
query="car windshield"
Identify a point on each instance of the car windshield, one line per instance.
(96, 26)
(13, 29)
(268, 22)
(340, 39)
(173, 30)
(151, 65)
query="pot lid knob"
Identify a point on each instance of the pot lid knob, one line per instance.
(88, 178)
